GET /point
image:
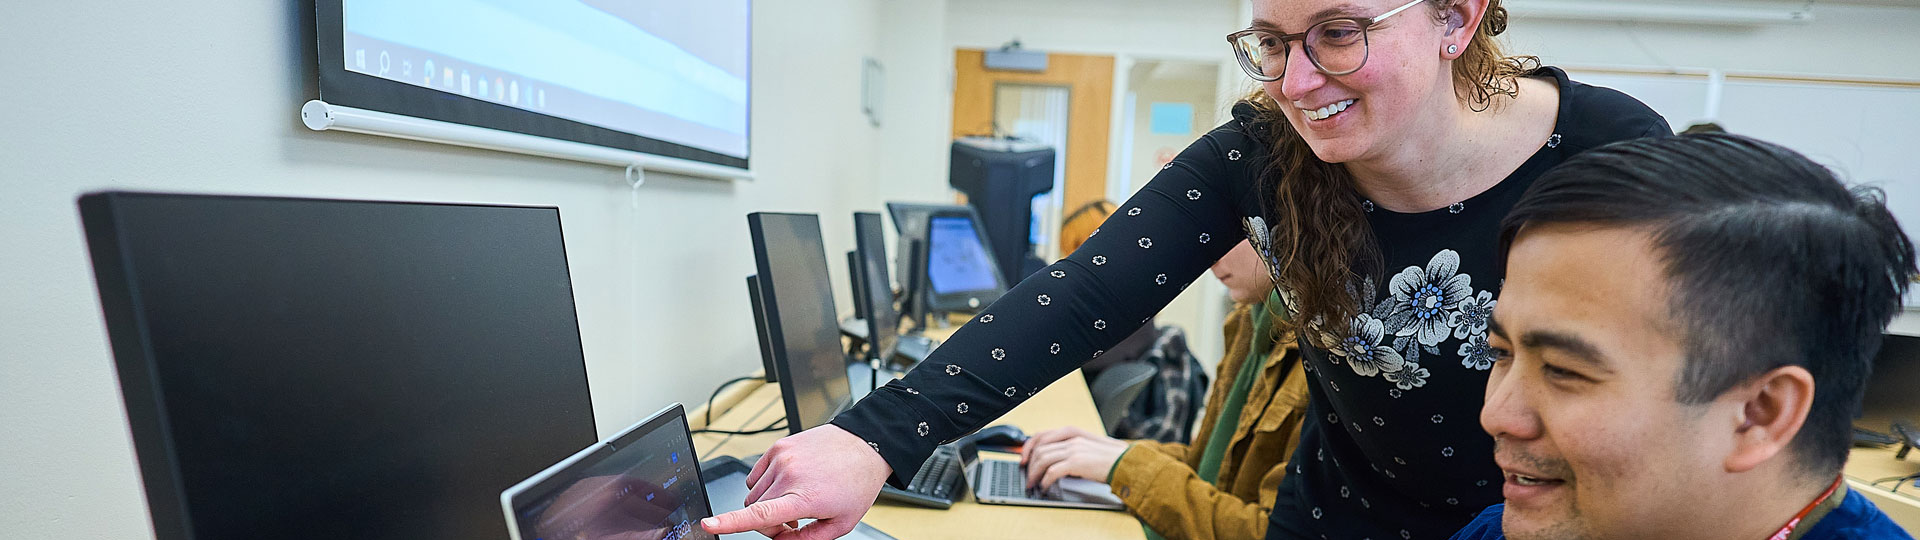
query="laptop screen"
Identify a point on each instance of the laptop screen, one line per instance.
(643, 484)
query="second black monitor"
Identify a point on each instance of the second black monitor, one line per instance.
(802, 326)
(883, 321)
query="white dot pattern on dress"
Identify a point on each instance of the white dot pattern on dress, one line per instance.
(874, 445)
(1316, 512)
(986, 318)
(1160, 279)
(953, 369)
(1146, 243)
(1133, 212)
(1193, 194)
(1096, 354)
(1057, 274)
(923, 429)
(1378, 421)
(1055, 348)
(1204, 238)
(1045, 300)
(1100, 324)
(1448, 451)
(1233, 155)
(1099, 260)
(1438, 419)
(962, 407)
(1010, 391)
(1169, 165)
(998, 354)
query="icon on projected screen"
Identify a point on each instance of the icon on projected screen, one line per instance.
(429, 71)
(513, 92)
(483, 87)
(466, 83)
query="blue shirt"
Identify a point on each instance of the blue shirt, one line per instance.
(1855, 518)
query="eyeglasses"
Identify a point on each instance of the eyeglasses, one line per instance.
(1335, 46)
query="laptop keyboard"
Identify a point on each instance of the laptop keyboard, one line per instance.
(1009, 481)
(936, 476)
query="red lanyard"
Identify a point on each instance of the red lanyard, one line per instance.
(1787, 530)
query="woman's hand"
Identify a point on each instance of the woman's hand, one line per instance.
(1069, 451)
(824, 473)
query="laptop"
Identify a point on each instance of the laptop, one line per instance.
(997, 481)
(645, 482)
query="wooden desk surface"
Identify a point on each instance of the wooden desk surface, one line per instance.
(1065, 403)
(1866, 465)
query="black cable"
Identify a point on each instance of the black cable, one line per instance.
(716, 394)
(778, 425)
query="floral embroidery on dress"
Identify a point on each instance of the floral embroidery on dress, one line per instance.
(1426, 301)
(1363, 350)
(1476, 353)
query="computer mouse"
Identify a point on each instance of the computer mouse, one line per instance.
(1000, 435)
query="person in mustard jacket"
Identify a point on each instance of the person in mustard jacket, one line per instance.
(1222, 485)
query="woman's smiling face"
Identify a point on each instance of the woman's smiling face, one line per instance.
(1404, 77)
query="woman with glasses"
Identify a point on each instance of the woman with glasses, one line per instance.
(1371, 173)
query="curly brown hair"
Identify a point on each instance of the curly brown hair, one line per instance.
(1321, 239)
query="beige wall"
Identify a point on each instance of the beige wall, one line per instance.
(202, 97)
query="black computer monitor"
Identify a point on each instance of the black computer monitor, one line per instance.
(313, 369)
(961, 274)
(760, 330)
(876, 301)
(1889, 395)
(802, 324)
(910, 223)
(856, 278)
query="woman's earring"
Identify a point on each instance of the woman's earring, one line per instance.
(1453, 49)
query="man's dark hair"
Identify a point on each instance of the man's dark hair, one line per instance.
(1771, 260)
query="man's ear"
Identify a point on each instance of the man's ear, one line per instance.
(1773, 408)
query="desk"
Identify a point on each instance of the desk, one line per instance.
(1866, 465)
(1065, 403)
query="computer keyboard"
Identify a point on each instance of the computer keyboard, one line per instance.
(935, 485)
(914, 347)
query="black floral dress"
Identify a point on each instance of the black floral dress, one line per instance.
(1394, 449)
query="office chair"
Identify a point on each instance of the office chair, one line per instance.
(1116, 388)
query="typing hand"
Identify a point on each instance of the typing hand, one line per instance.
(1069, 451)
(824, 473)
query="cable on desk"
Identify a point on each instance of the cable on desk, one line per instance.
(777, 425)
(716, 395)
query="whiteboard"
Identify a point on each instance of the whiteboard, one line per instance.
(1868, 134)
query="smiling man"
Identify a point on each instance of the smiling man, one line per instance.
(1682, 340)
